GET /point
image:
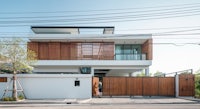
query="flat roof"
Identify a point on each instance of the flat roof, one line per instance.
(70, 29)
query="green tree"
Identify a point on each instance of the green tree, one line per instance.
(159, 74)
(141, 74)
(18, 59)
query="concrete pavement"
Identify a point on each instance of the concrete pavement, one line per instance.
(114, 100)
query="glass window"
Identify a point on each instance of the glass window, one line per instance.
(118, 49)
(127, 49)
(128, 52)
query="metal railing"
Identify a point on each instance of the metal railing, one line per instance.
(130, 56)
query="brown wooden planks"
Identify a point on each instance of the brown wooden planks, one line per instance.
(3, 79)
(95, 86)
(134, 86)
(65, 51)
(106, 86)
(166, 86)
(186, 85)
(150, 86)
(108, 51)
(117, 86)
(43, 51)
(54, 51)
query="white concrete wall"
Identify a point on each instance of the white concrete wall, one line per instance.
(56, 69)
(53, 86)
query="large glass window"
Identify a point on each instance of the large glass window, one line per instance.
(128, 52)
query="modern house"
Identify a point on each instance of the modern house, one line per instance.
(69, 57)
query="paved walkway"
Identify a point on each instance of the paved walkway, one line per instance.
(103, 101)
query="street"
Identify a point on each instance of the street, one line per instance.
(116, 106)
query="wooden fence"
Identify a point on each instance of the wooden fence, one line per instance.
(147, 86)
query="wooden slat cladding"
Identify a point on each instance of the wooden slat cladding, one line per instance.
(73, 50)
(150, 86)
(134, 86)
(139, 86)
(108, 51)
(167, 86)
(147, 48)
(64, 51)
(34, 47)
(106, 86)
(54, 51)
(186, 85)
(43, 51)
(114, 86)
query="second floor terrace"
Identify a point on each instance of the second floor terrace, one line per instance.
(91, 50)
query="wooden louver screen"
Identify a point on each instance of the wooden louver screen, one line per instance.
(73, 50)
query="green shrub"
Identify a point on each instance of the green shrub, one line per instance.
(11, 99)
(6, 99)
(21, 97)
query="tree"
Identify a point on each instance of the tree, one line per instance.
(18, 59)
(159, 74)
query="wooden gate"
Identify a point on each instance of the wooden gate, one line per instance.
(148, 86)
(186, 85)
(138, 86)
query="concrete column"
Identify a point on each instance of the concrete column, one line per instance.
(130, 75)
(92, 71)
(147, 71)
(176, 85)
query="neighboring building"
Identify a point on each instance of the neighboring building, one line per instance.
(68, 59)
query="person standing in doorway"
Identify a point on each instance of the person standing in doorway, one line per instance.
(100, 89)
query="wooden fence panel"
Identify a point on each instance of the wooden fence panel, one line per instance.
(166, 86)
(106, 86)
(186, 85)
(134, 86)
(117, 86)
(150, 86)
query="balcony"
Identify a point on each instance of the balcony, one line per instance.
(130, 56)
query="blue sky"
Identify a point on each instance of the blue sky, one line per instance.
(166, 57)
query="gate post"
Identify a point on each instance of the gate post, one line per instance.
(176, 85)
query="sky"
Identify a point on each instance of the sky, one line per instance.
(172, 52)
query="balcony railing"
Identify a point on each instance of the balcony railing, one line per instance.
(130, 56)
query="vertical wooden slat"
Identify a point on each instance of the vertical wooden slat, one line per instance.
(73, 51)
(95, 86)
(166, 86)
(43, 51)
(108, 51)
(134, 86)
(186, 85)
(54, 51)
(150, 86)
(65, 51)
(106, 86)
